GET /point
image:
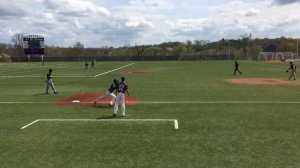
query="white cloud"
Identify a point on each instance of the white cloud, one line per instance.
(136, 22)
(115, 23)
(250, 12)
(156, 4)
(75, 8)
(10, 8)
(197, 24)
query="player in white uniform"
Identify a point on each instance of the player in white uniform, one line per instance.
(109, 92)
(122, 89)
(49, 82)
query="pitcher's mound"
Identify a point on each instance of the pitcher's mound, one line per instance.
(259, 81)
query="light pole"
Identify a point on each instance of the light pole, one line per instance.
(298, 48)
(229, 49)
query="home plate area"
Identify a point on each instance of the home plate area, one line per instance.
(88, 100)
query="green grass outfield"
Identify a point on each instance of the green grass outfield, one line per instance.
(221, 125)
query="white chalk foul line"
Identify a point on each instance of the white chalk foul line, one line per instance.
(176, 124)
(26, 102)
(114, 70)
(105, 120)
(29, 124)
(32, 76)
(214, 102)
(171, 102)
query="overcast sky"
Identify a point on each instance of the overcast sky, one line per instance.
(97, 23)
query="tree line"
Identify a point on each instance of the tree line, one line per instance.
(241, 48)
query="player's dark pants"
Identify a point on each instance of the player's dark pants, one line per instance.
(236, 70)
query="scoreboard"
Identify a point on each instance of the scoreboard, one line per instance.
(33, 44)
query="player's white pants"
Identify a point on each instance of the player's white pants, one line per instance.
(293, 75)
(120, 100)
(50, 83)
(106, 94)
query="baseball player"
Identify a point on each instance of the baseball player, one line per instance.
(122, 89)
(86, 65)
(49, 82)
(109, 92)
(293, 69)
(92, 65)
(236, 68)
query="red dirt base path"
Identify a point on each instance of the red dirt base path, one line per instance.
(259, 81)
(88, 100)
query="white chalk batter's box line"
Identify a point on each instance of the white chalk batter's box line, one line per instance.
(176, 126)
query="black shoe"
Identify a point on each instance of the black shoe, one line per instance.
(55, 92)
(114, 115)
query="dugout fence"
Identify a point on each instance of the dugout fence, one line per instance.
(278, 56)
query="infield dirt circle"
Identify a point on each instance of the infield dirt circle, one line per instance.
(260, 81)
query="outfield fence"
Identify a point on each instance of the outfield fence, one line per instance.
(38, 58)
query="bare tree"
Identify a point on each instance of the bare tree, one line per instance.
(17, 40)
(78, 45)
(79, 49)
(139, 51)
(2, 48)
(245, 41)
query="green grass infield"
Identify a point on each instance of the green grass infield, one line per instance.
(220, 124)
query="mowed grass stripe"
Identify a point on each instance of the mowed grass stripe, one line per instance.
(171, 102)
(221, 124)
(62, 76)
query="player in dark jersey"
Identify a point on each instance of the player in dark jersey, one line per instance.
(92, 65)
(236, 68)
(122, 89)
(86, 65)
(293, 69)
(113, 87)
(49, 82)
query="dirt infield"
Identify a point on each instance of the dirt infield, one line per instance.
(139, 73)
(88, 100)
(259, 81)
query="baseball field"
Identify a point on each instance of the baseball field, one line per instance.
(179, 114)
